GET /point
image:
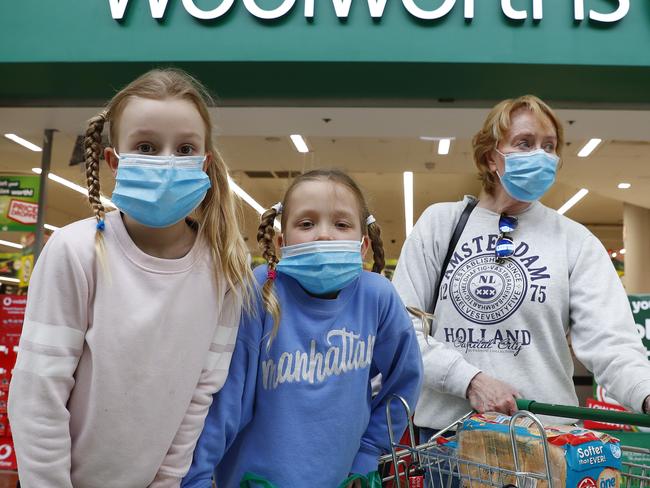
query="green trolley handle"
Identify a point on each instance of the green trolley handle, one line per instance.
(583, 413)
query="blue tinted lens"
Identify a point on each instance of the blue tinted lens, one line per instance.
(507, 224)
(505, 247)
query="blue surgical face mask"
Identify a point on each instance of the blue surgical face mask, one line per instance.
(528, 175)
(322, 267)
(159, 191)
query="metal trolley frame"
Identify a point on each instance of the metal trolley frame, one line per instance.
(444, 469)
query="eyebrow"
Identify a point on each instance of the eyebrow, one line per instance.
(309, 211)
(148, 132)
(530, 134)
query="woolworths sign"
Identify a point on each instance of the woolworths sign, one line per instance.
(440, 8)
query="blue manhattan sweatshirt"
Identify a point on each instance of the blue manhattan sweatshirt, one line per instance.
(301, 413)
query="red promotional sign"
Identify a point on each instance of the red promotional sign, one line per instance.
(12, 314)
(25, 213)
(590, 424)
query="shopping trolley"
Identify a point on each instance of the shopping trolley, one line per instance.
(440, 463)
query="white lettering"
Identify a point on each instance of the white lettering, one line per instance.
(376, 8)
(620, 12)
(118, 7)
(350, 353)
(510, 12)
(469, 9)
(438, 13)
(215, 13)
(276, 13)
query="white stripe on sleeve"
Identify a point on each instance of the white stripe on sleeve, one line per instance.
(53, 335)
(218, 361)
(44, 365)
(225, 335)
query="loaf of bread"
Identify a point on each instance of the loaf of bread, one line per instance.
(578, 458)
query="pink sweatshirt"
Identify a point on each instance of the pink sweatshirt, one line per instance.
(117, 366)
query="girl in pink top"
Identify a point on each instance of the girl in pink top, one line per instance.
(132, 314)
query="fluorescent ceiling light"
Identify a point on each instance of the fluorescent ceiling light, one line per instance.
(23, 142)
(408, 201)
(73, 186)
(10, 280)
(443, 146)
(299, 142)
(51, 227)
(572, 201)
(10, 244)
(624, 186)
(589, 147)
(241, 193)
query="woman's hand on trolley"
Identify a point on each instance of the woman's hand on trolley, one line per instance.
(488, 394)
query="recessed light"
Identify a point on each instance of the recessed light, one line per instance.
(588, 148)
(624, 186)
(10, 244)
(572, 201)
(299, 143)
(23, 142)
(408, 201)
(443, 146)
(73, 186)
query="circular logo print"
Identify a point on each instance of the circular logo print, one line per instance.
(486, 292)
(616, 450)
(5, 451)
(587, 483)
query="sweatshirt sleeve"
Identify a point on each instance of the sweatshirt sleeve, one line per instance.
(179, 456)
(232, 408)
(415, 279)
(603, 334)
(50, 346)
(397, 357)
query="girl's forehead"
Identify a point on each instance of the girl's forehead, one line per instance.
(326, 195)
(164, 114)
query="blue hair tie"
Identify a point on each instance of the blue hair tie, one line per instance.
(101, 225)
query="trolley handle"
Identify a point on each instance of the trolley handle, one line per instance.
(583, 413)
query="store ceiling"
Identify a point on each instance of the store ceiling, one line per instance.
(375, 145)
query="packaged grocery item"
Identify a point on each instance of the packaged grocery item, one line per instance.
(579, 458)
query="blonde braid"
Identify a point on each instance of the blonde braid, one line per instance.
(92, 150)
(374, 232)
(265, 234)
(426, 318)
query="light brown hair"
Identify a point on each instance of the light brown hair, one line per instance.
(496, 126)
(266, 233)
(217, 215)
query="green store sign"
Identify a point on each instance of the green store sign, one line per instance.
(321, 52)
(19, 203)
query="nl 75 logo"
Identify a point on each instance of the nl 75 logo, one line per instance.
(23, 212)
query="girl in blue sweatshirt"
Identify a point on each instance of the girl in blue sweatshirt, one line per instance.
(297, 408)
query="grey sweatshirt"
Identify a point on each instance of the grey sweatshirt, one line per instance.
(511, 320)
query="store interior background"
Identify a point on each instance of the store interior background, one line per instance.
(376, 146)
